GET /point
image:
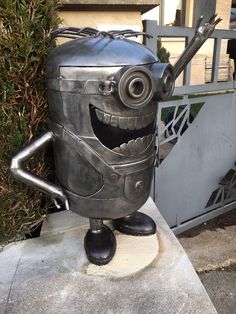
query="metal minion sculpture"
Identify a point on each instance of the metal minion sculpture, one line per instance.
(103, 91)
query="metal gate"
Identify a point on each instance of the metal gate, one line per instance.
(196, 176)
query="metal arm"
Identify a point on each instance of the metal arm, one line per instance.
(21, 174)
(202, 33)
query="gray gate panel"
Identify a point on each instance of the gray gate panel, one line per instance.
(187, 185)
(190, 173)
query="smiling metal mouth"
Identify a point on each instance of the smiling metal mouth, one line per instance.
(124, 135)
(126, 123)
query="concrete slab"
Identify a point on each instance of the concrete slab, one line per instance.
(128, 260)
(9, 259)
(50, 276)
(212, 244)
(60, 222)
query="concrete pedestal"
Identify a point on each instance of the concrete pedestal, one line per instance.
(51, 274)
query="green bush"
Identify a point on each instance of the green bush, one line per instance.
(25, 27)
(162, 53)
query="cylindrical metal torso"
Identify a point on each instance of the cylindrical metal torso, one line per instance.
(104, 151)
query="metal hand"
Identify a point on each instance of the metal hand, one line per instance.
(64, 199)
(205, 31)
(202, 33)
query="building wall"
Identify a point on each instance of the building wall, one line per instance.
(189, 13)
(102, 20)
(199, 75)
(223, 10)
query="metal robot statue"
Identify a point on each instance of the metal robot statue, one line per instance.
(102, 91)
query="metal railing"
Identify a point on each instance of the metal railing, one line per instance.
(187, 33)
(178, 178)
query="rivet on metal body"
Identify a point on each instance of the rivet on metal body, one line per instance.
(114, 177)
(139, 186)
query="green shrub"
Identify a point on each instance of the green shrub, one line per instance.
(25, 26)
(162, 53)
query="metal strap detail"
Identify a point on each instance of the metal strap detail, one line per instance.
(80, 146)
(89, 87)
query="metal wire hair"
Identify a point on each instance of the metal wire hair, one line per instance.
(75, 32)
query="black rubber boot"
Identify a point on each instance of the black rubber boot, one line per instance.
(136, 224)
(99, 243)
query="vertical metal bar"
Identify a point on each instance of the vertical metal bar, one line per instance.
(150, 27)
(183, 14)
(161, 13)
(187, 71)
(216, 60)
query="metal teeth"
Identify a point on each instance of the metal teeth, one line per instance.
(134, 147)
(114, 121)
(125, 123)
(106, 118)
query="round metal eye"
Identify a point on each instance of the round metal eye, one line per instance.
(136, 87)
(168, 83)
(163, 76)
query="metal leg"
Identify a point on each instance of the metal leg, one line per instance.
(99, 243)
(96, 225)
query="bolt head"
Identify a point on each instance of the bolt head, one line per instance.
(139, 186)
(114, 177)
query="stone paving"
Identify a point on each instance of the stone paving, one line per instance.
(50, 274)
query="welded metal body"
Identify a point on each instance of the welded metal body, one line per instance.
(104, 151)
(102, 92)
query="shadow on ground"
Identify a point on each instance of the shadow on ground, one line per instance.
(223, 221)
(221, 288)
(211, 248)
